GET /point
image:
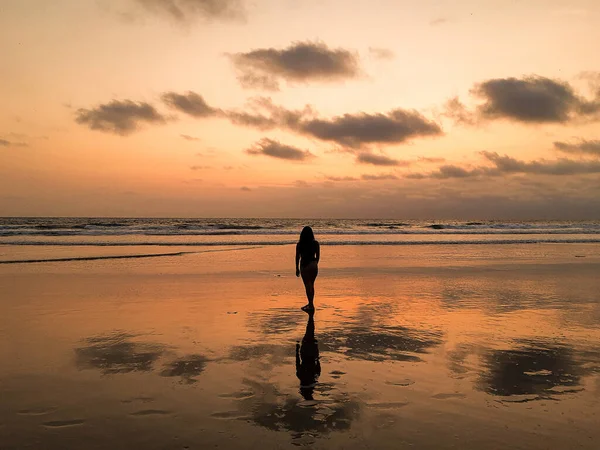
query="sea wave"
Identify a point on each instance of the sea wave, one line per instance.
(280, 232)
(290, 242)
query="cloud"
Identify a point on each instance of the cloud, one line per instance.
(189, 138)
(246, 189)
(332, 178)
(185, 11)
(251, 120)
(582, 147)
(349, 130)
(506, 165)
(302, 184)
(189, 103)
(121, 117)
(300, 62)
(530, 99)
(275, 149)
(6, 143)
(438, 21)
(356, 130)
(377, 160)
(456, 110)
(381, 53)
(200, 167)
(378, 177)
(425, 159)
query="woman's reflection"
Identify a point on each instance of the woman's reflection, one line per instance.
(308, 367)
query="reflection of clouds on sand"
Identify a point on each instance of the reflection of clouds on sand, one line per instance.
(187, 368)
(274, 320)
(495, 293)
(272, 409)
(381, 343)
(534, 370)
(275, 352)
(459, 360)
(117, 353)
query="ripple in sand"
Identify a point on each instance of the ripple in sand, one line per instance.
(63, 423)
(443, 396)
(37, 411)
(229, 415)
(150, 412)
(387, 405)
(139, 399)
(402, 383)
(238, 395)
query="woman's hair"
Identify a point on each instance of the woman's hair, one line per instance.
(306, 236)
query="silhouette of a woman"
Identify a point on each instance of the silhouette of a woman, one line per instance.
(308, 253)
(308, 366)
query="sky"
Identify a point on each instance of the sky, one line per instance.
(462, 109)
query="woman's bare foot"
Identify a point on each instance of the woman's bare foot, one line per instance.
(307, 308)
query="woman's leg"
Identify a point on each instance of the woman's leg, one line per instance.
(309, 275)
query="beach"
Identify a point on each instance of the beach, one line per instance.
(421, 346)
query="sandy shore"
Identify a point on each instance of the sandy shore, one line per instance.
(430, 347)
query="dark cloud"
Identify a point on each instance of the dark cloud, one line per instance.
(245, 188)
(381, 176)
(349, 130)
(531, 99)
(184, 11)
(300, 62)
(376, 160)
(6, 143)
(200, 167)
(189, 103)
(506, 165)
(394, 127)
(582, 147)
(252, 120)
(189, 138)
(342, 178)
(452, 171)
(121, 117)
(275, 149)
(381, 53)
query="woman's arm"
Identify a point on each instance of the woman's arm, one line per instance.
(317, 251)
(297, 260)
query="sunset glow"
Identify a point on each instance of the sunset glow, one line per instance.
(300, 109)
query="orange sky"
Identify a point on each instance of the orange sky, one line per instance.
(133, 108)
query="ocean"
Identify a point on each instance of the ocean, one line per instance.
(259, 232)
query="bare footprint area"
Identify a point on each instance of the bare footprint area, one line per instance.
(403, 383)
(37, 411)
(443, 396)
(228, 415)
(63, 423)
(150, 412)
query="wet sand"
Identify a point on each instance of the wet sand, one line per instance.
(432, 347)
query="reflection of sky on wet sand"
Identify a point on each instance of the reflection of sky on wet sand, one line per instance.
(117, 353)
(415, 356)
